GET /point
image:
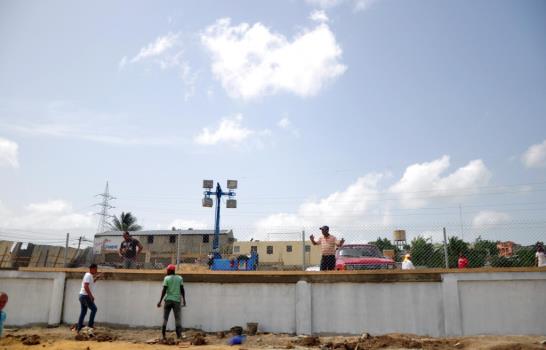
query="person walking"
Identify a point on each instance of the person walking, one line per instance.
(328, 244)
(129, 250)
(173, 291)
(407, 264)
(87, 297)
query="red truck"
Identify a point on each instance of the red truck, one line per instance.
(362, 257)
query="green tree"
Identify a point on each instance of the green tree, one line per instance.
(456, 246)
(125, 222)
(421, 251)
(489, 247)
(525, 257)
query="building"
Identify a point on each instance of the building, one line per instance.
(281, 253)
(160, 246)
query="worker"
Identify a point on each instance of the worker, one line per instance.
(407, 264)
(462, 263)
(328, 244)
(3, 315)
(173, 291)
(129, 250)
(87, 296)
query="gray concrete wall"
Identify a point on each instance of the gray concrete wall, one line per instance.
(458, 304)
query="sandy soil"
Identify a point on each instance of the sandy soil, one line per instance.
(62, 338)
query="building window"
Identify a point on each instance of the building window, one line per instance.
(307, 248)
(205, 238)
(254, 249)
(289, 249)
(236, 249)
(269, 249)
(150, 239)
(172, 239)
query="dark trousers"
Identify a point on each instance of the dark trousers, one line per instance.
(175, 306)
(328, 262)
(86, 303)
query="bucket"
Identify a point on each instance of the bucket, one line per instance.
(252, 328)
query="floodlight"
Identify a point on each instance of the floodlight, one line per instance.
(208, 184)
(207, 202)
(232, 184)
(231, 203)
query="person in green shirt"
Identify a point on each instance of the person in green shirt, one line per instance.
(173, 291)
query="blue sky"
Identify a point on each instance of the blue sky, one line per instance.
(364, 115)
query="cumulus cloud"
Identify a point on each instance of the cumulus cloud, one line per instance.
(488, 218)
(9, 153)
(184, 224)
(363, 5)
(286, 124)
(252, 61)
(535, 156)
(358, 5)
(337, 209)
(423, 181)
(229, 130)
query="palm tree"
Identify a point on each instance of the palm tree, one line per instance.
(125, 222)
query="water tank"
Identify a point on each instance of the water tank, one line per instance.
(399, 235)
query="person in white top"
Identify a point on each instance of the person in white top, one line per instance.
(407, 264)
(87, 296)
(540, 257)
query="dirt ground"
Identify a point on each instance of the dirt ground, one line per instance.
(62, 338)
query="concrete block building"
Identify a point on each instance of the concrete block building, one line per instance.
(160, 246)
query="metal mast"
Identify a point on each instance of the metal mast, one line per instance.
(105, 206)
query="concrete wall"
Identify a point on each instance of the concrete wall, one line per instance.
(455, 304)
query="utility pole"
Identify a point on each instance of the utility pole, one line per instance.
(105, 206)
(461, 221)
(66, 249)
(178, 249)
(445, 249)
(79, 242)
(303, 250)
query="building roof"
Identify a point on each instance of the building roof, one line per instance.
(164, 233)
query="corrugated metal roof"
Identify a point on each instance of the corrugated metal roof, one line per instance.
(164, 232)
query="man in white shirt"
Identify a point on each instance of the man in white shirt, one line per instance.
(87, 296)
(540, 257)
(407, 264)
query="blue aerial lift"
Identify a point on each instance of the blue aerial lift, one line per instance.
(216, 262)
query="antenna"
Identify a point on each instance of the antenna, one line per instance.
(105, 206)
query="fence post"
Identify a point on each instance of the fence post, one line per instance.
(445, 249)
(66, 249)
(303, 250)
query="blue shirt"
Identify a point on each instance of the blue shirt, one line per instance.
(3, 317)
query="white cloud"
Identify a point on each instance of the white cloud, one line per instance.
(183, 224)
(122, 63)
(286, 124)
(8, 153)
(424, 181)
(51, 215)
(318, 16)
(339, 210)
(157, 48)
(489, 218)
(252, 61)
(229, 130)
(535, 156)
(358, 5)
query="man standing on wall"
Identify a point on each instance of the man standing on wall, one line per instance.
(328, 244)
(129, 250)
(87, 297)
(173, 291)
